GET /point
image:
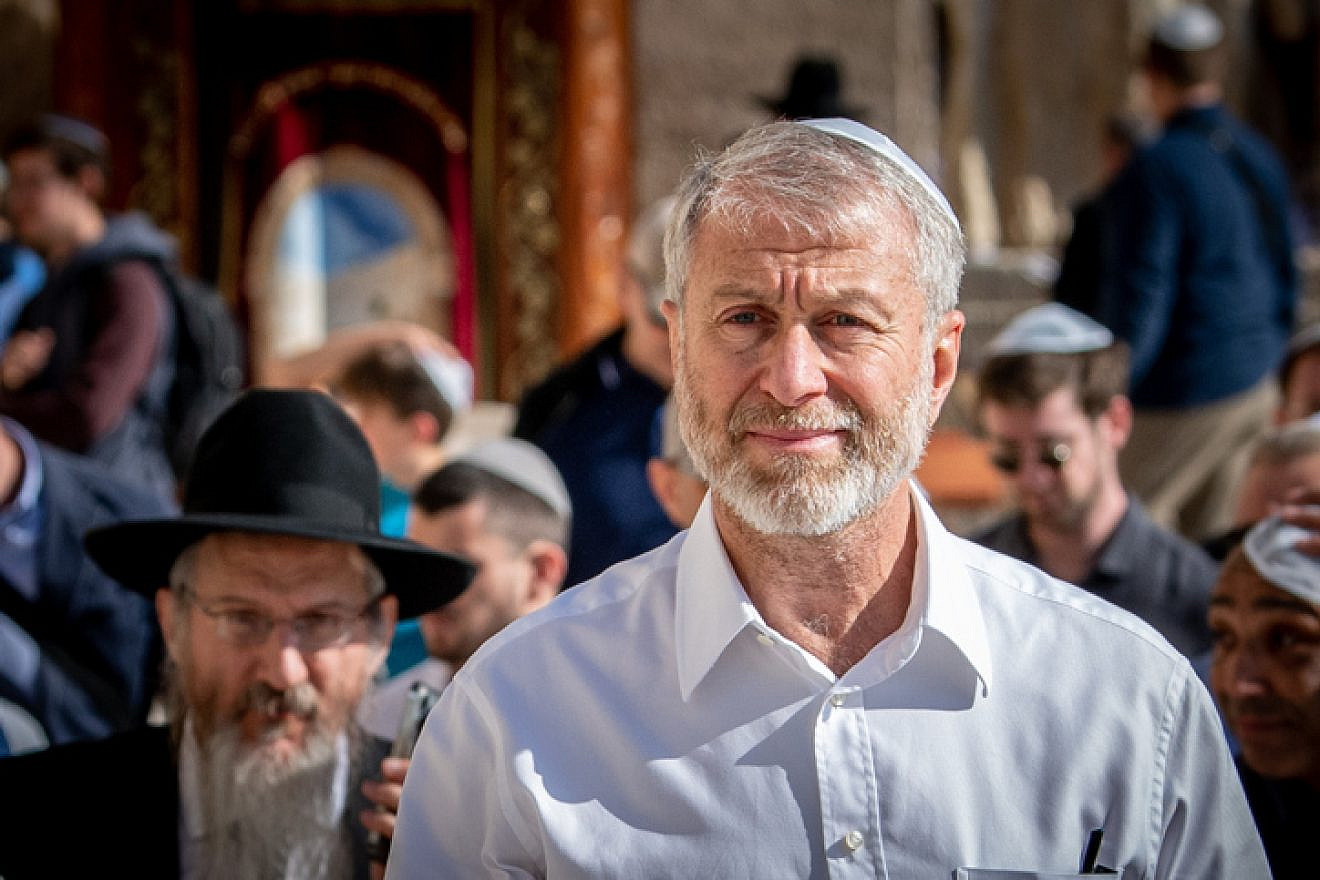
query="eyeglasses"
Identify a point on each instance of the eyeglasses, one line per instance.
(1052, 455)
(312, 632)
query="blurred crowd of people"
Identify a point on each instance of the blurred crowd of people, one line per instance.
(792, 664)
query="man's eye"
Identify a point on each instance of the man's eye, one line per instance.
(841, 320)
(742, 318)
(244, 621)
(1221, 639)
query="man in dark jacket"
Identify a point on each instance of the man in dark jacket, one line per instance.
(89, 366)
(276, 596)
(594, 417)
(77, 651)
(1200, 283)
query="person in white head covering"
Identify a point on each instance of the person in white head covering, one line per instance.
(1265, 674)
(1051, 404)
(503, 505)
(816, 679)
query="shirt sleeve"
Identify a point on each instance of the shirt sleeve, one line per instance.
(1206, 828)
(458, 815)
(125, 318)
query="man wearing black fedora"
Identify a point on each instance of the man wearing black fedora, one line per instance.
(277, 597)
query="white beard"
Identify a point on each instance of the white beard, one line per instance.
(268, 818)
(795, 495)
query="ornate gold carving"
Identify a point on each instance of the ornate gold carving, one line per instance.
(530, 233)
(156, 190)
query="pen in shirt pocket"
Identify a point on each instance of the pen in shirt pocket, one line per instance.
(1091, 853)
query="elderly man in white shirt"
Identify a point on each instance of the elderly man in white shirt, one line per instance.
(818, 680)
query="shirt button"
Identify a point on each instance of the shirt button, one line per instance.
(764, 639)
(837, 700)
(853, 840)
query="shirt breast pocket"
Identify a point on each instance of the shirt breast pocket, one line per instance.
(994, 874)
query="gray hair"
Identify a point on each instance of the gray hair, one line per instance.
(1287, 443)
(825, 185)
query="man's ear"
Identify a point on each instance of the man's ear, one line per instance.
(165, 609)
(91, 181)
(948, 343)
(660, 474)
(1118, 418)
(669, 309)
(549, 565)
(425, 427)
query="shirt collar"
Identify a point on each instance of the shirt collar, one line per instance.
(1119, 553)
(712, 608)
(30, 487)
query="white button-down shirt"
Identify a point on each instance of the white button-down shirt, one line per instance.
(650, 724)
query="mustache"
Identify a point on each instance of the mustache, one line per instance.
(1261, 706)
(300, 701)
(819, 416)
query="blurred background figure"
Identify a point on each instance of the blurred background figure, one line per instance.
(1201, 282)
(1284, 463)
(1265, 675)
(1052, 407)
(1081, 267)
(594, 416)
(672, 473)
(21, 271)
(814, 91)
(503, 506)
(89, 364)
(1299, 377)
(405, 403)
(78, 652)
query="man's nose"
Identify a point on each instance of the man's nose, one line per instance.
(794, 371)
(1246, 674)
(283, 664)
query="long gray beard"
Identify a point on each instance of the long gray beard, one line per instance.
(272, 820)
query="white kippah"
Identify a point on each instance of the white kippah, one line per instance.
(1189, 28)
(1270, 547)
(524, 465)
(1052, 328)
(451, 375)
(869, 137)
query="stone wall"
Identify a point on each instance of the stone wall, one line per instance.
(698, 68)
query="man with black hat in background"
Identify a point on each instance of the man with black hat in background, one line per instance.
(276, 596)
(1200, 283)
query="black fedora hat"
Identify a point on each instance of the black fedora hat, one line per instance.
(814, 92)
(281, 463)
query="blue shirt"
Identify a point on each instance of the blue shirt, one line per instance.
(1200, 279)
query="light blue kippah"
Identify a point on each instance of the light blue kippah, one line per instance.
(869, 137)
(1269, 546)
(451, 375)
(1052, 328)
(1189, 28)
(524, 465)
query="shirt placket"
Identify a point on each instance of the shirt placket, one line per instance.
(849, 799)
